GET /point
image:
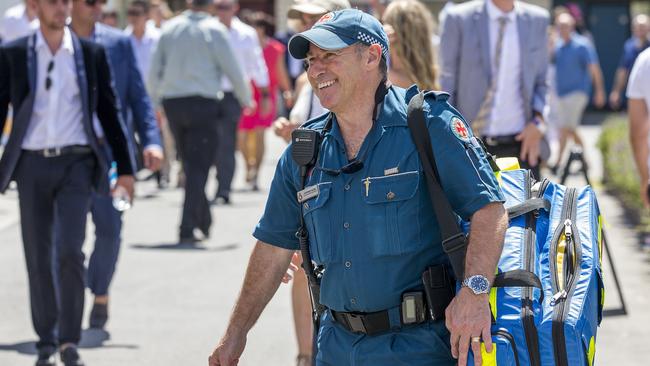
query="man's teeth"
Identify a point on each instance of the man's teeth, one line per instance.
(326, 84)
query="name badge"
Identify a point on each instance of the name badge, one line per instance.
(391, 171)
(308, 193)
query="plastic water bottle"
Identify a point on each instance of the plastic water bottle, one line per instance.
(121, 198)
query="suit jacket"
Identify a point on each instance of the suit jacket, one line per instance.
(18, 86)
(465, 56)
(135, 104)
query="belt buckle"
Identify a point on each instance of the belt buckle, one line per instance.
(52, 152)
(355, 321)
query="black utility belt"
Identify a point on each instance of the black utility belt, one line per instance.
(58, 151)
(416, 307)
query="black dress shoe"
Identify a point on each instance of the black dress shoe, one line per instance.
(70, 357)
(98, 316)
(46, 357)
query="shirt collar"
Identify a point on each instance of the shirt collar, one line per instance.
(495, 13)
(66, 44)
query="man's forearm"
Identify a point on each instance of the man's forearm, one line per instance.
(266, 268)
(620, 79)
(639, 127)
(486, 237)
(597, 77)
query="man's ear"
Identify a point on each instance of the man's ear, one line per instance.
(374, 55)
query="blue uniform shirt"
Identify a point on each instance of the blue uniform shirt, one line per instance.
(375, 230)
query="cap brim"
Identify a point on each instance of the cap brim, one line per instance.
(321, 38)
(297, 9)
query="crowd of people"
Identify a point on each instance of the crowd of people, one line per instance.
(187, 91)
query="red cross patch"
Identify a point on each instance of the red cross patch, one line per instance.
(459, 129)
(325, 18)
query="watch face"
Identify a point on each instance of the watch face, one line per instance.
(478, 284)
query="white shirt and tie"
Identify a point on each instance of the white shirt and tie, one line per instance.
(507, 116)
(57, 115)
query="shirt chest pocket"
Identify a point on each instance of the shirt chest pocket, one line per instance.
(316, 212)
(392, 213)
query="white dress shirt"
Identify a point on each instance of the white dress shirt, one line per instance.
(244, 41)
(507, 116)
(15, 23)
(57, 115)
(638, 86)
(307, 106)
(143, 48)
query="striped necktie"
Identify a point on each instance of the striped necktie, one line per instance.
(480, 121)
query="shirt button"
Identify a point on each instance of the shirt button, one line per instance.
(353, 300)
(390, 195)
(306, 205)
(348, 264)
(346, 225)
(347, 187)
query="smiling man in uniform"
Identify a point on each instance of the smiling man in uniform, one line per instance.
(368, 213)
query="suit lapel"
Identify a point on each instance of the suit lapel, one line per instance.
(32, 69)
(82, 80)
(483, 31)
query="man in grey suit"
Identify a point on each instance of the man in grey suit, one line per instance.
(493, 62)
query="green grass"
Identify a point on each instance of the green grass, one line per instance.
(620, 173)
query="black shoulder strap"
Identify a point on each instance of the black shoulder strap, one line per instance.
(454, 241)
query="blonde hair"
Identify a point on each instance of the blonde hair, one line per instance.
(413, 25)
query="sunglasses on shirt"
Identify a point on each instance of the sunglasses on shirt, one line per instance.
(48, 79)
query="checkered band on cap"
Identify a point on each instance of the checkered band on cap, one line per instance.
(368, 39)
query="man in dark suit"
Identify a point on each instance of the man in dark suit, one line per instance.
(136, 104)
(55, 83)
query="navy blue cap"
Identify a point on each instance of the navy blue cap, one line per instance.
(340, 29)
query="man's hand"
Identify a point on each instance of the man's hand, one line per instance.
(615, 99)
(153, 157)
(468, 316)
(228, 351)
(127, 182)
(294, 266)
(530, 138)
(599, 98)
(283, 128)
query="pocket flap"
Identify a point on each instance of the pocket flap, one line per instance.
(318, 201)
(391, 188)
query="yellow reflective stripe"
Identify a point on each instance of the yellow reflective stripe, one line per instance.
(508, 164)
(602, 297)
(498, 175)
(600, 239)
(489, 359)
(493, 302)
(559, 260)
(591, 353)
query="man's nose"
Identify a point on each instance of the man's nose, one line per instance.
(316, 68)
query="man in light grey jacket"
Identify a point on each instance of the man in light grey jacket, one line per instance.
(493, 61)
(193, 54)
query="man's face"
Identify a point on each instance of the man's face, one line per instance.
(52, 13)
(225, 10)
(335, 76)
(88, 11)
(136, 16)
(641, 29)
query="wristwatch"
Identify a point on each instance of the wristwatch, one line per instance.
(479, 284)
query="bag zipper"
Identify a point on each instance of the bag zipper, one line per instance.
(561, 298)
(508, 337)
(527, 313)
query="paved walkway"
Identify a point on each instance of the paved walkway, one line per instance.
(170, 304)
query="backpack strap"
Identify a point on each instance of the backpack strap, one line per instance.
(454, 240)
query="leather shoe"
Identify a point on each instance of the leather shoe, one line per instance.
(46, 357)
(70, 357)
(98, 316)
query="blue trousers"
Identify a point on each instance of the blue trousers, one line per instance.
(423, 345)
(108, 227)
(54, 195)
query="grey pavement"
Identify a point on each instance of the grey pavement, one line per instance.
(170, 304)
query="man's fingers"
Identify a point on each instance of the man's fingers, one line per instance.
(453, 340)
(487, 339)
(463, 347)
(476, 350)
